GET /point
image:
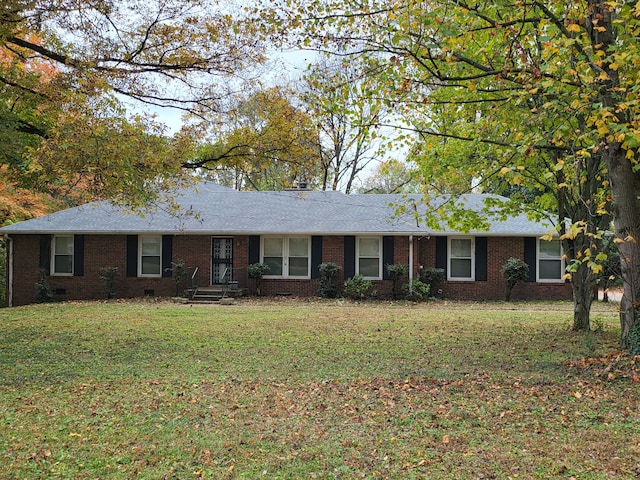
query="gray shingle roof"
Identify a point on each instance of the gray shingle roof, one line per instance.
(212, 209)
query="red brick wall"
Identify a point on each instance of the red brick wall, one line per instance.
(499, 250)
(26, 259)
(195, 250)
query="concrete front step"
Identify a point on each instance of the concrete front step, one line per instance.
(214, 293)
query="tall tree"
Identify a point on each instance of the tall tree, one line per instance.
(264, 143)
(578, 58)
(67, 68)
(349, 137)
(391, 176)
(546, 181)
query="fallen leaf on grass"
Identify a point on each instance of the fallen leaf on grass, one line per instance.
(616, 365)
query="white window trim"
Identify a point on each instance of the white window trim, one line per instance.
(148, 275)
(285, 256)
(53, 257)
(562, 264)
(380, 255)
(473, 260)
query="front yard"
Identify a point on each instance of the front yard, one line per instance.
(314, 389)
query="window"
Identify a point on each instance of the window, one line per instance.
(62, 255)
(287, 256)
(150, 260)
(461, 265)
(550, 264)
(369, 256)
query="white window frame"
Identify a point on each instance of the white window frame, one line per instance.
(380, 246)
(559, 258)
(286, 256)
(472, 257)
(55, 254)
(141, 240)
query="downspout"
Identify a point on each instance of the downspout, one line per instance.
(410, 263)
(9, 246)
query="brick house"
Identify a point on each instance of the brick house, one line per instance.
(218, 232)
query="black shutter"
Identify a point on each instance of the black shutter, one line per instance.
(316, 256)
(481, 259)
(45, 253)
(254, 249)
(349, 256)
(167, 255)
(132, 255)
(78, 255)
(387, 256)
(441, 254)
(530, 255)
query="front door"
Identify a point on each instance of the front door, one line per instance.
(221, 260)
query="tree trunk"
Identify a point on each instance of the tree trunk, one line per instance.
(509, 289)
(625, 187)
(625, 183)
(583, 283)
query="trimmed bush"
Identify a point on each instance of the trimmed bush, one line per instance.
(417, 291)
(257, 271)
(397, 272)
(432, 277)
(513, 271)
(329, 279)
(108, 276)
(358, 288)
(44, 292)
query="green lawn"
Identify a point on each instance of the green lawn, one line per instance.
(314, 389)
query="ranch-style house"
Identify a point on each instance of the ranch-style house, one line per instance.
(217, 232)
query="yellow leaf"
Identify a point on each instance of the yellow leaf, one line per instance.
(574, 27)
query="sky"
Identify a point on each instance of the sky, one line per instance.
(288, 66)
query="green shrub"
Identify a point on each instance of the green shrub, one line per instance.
(432, 277)
(179, 272)
(358, 288)
(257, 271)
(397, 272)
(513, 271)
(108, 277)
(329, 279)
(417, 290)
(44, 292)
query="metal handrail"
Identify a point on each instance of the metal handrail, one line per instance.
(224, 274)
(195, 281)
